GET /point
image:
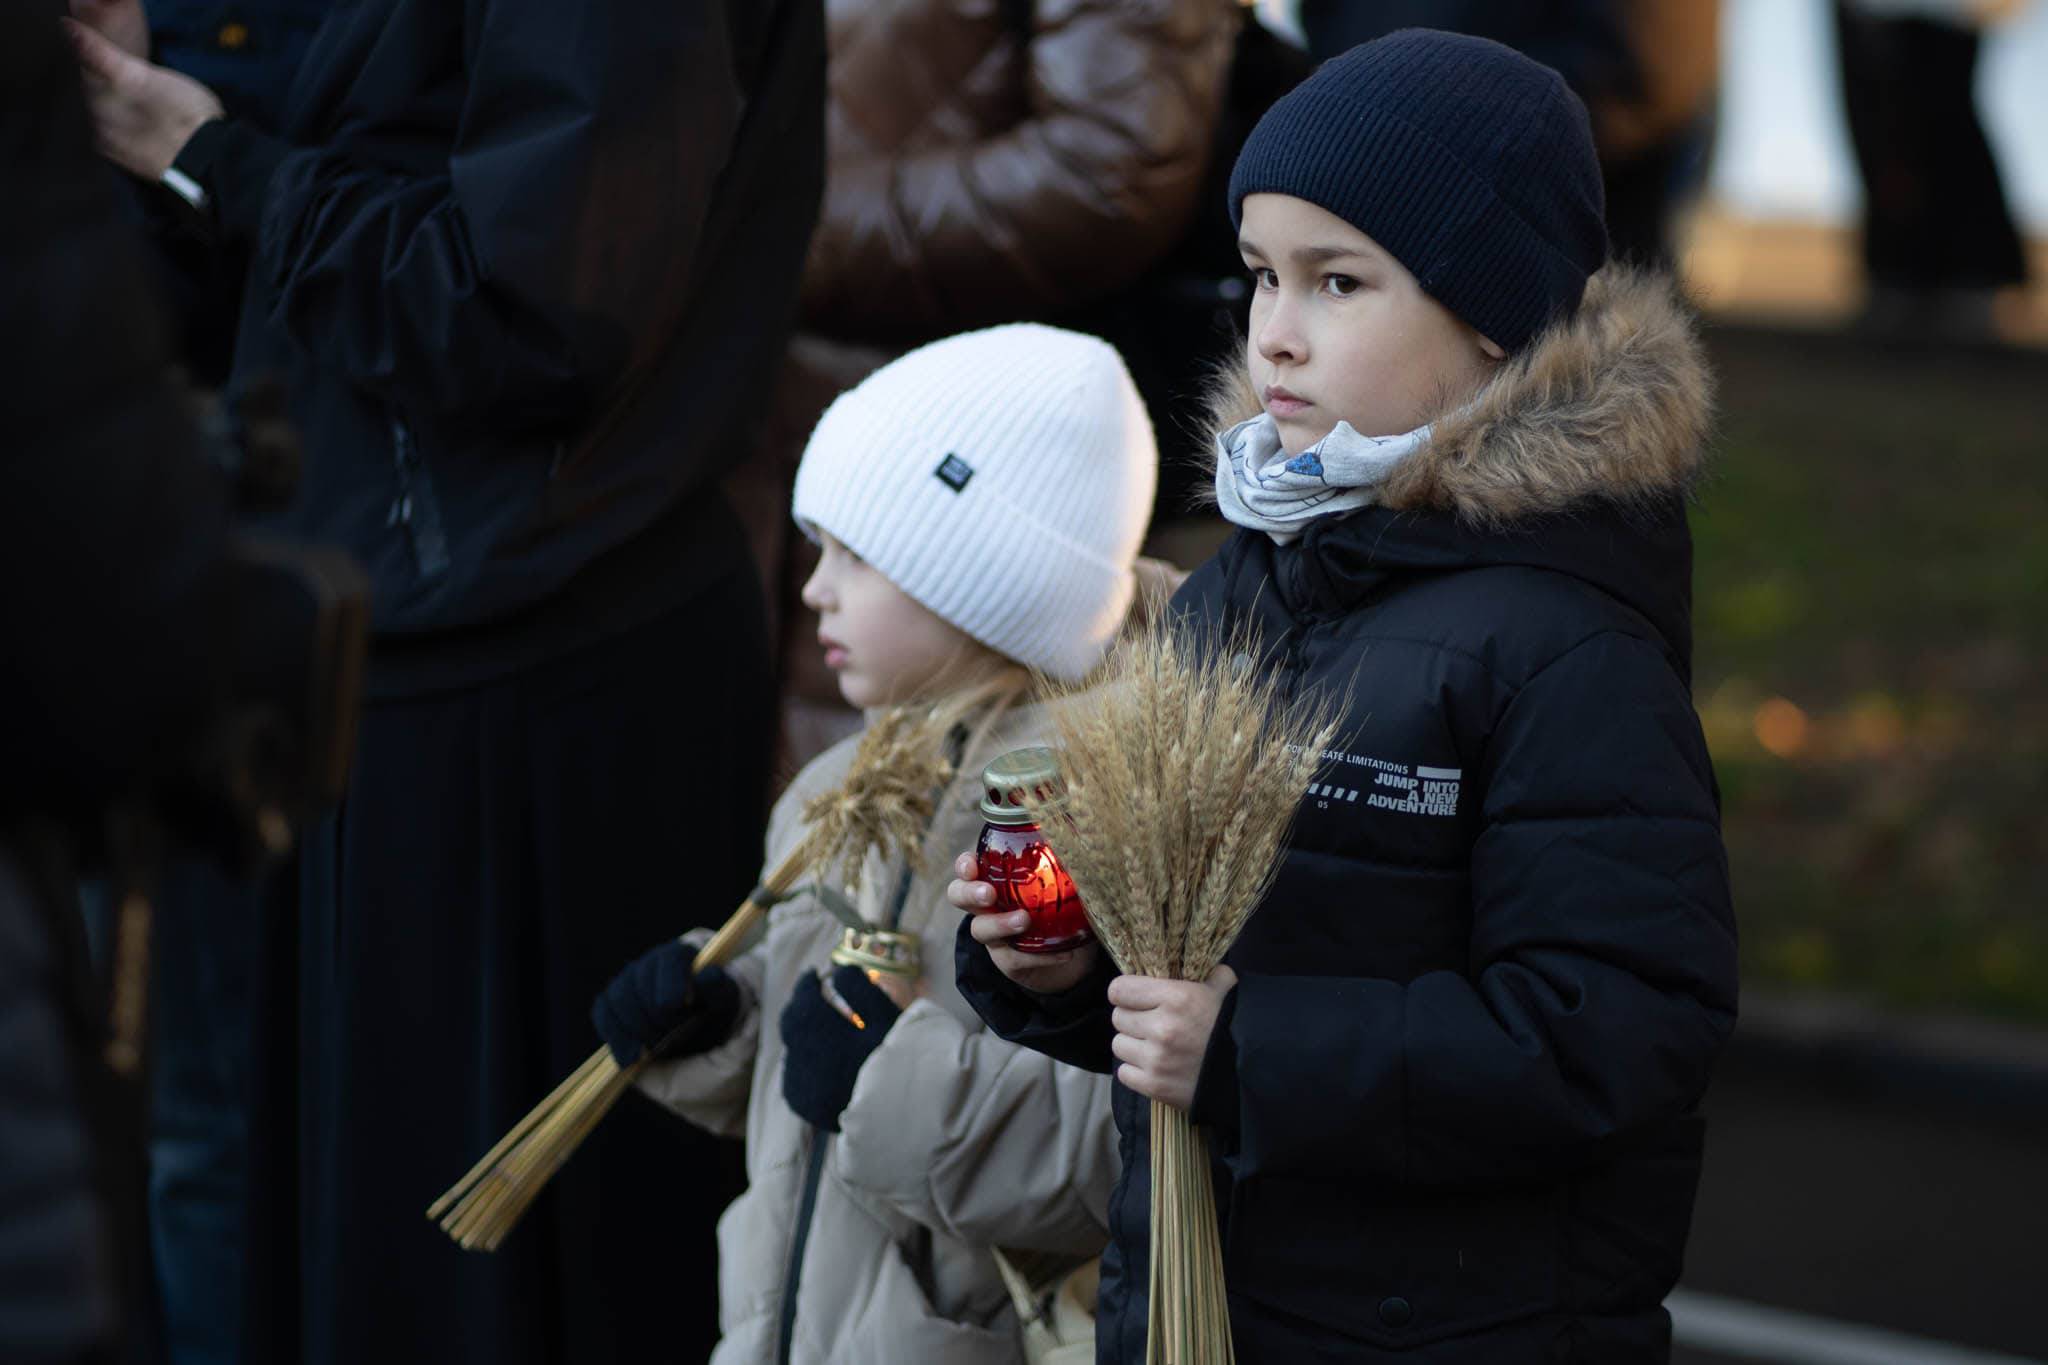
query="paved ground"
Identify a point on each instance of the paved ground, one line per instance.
(1910, 1210)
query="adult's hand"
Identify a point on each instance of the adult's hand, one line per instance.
(143, 113)
(122, 22)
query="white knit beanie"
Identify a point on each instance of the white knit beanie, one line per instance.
(1002, 478)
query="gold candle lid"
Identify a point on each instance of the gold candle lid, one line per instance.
(881, 950)
(1009, 777)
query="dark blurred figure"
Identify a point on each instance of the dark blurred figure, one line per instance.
(1938, 238)
(202, 986)
(1021, 160)
(524, 270)
(112, 536)
(1646, 69)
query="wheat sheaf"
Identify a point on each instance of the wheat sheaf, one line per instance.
(1182, 761)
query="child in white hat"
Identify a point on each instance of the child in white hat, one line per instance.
(980, 504)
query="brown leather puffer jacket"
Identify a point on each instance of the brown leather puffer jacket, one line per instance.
(992, 160)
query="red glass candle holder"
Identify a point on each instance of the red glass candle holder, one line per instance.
(1015, 859)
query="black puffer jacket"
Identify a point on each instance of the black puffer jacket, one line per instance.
(1454, 1098)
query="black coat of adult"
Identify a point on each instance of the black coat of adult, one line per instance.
(525, 270)
(1454, 1093)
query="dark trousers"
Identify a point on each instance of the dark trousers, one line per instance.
(502, 852)
(1935, 215)
(203, 938)
(68, 1165)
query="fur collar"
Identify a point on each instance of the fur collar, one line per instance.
(1613, 403)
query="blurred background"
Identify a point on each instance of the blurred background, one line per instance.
(1872, 618)
(1873, 558)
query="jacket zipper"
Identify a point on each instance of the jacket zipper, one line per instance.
(414, 508)
(814, 1166)
(807, 1206)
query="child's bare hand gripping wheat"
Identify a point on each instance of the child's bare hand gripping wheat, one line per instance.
(1162, 1032)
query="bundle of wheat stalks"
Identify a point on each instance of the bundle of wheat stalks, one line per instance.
(1183, 766)
(886, 803)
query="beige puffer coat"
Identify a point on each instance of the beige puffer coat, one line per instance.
(954, 1141)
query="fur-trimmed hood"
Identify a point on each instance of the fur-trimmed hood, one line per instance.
(1614, 403)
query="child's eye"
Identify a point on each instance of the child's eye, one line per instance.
(1341, 286)
(1265, 277)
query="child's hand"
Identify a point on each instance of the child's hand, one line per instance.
(1046, 973)
(825, 1045)
(1162, 1032)
(658, 1007)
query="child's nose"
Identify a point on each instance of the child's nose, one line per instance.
(1278, 338)
(812, 593)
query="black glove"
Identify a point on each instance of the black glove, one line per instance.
(823, 1049)
(659, 1008)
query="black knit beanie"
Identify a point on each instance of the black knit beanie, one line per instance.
(1472, 164)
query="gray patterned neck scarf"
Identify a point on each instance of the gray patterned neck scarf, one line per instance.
(1260, 487)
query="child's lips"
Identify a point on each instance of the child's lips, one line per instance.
(1281, 403)
(835, 653)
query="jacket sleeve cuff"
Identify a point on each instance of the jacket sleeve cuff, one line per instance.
(1080, 1002)
(1072, 1026)
(233, 162)
(1215, 1102)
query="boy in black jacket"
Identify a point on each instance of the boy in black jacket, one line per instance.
(1452, 1068)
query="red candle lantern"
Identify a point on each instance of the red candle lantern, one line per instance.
(1015, 859)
